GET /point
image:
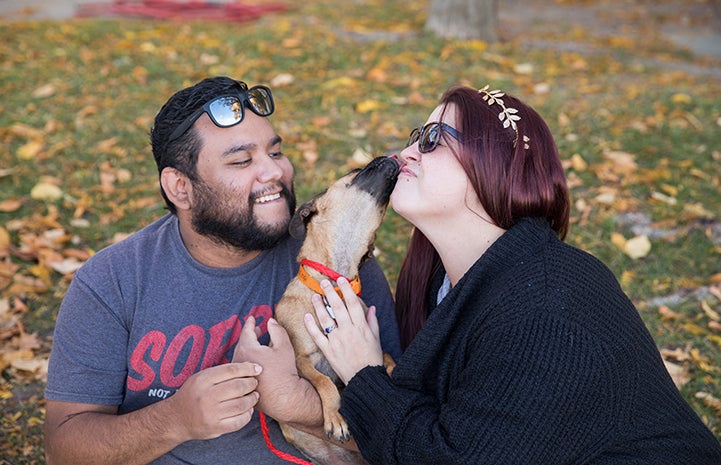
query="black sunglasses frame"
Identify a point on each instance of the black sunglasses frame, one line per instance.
(243, 97)
(429, 136)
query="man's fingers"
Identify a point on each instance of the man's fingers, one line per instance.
(278, 335)
(227, 371)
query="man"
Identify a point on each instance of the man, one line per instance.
(139, 369)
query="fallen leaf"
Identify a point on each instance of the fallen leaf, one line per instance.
(578, 163)
(46, 191)
(668, 314)
(679, 374)
(360, 157)
(44, 91)
(4, 242)
(10, 205)
(713, 315)
(30, 150)
(637, 247)
(677, 354)
(618, 240)
(283, 79)
(622, 161)
(66, 266)
(710, 401)
(28, 132)
(367, 106)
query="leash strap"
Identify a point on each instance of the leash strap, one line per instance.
(282, 455)
(314, 285)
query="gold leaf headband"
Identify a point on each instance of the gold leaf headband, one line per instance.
(507, 115)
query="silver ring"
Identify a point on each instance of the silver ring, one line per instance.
(330, 328)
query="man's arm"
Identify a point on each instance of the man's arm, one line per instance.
(284, 395)
(210, 403)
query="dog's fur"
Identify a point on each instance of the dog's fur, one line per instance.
(339, 227)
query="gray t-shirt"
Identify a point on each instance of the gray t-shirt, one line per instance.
(141, 316)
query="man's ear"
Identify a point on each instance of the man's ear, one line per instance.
(177, 187)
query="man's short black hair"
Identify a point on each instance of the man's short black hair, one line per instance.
(182, 153)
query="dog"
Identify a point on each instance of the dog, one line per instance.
(339, 227)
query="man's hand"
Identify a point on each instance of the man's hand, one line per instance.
(284, 395)
(216, 400)
(210, 403)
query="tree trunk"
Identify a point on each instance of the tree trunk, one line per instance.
(464, 19)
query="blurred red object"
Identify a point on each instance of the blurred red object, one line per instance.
(169, 9)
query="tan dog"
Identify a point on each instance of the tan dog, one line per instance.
(339, 227)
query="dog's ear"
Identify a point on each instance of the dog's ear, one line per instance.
(300, 219)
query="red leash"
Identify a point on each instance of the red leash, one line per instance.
(285, 456)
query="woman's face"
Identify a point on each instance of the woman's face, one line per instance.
(432, 186)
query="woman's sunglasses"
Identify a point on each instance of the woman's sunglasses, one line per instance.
(429, 136)
(228, 110)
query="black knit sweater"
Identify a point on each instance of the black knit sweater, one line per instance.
(536, 356)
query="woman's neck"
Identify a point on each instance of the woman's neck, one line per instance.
(461, 245)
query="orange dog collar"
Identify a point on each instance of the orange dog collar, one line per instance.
(314, 285)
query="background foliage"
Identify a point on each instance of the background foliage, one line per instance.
(636, 118)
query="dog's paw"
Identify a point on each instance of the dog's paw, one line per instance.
(336, 427)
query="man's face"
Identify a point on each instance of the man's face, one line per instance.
(244, 197)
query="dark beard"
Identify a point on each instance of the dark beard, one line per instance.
(216, 216)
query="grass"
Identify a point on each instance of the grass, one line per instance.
(85, 92)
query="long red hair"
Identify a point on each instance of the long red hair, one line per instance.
(511, 182)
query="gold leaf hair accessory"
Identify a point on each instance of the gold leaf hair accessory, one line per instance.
(507, 115)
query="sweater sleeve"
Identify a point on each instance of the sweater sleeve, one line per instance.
(538, 391)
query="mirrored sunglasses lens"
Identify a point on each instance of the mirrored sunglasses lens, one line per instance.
(429, 138)
(226, 111)
(413, 137)
(260, 101)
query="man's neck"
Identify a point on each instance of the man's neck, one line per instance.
(212, 253)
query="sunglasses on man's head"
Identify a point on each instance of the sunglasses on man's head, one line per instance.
(229, 109)
(429, 136)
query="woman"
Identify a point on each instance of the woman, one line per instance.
(520, 349)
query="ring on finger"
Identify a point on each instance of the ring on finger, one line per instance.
(329, 329)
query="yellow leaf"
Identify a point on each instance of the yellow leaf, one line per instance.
(715, 339)
(709, 311)
(681, 98)
(693, 329)
(338, 83)
(368, 105)
(46, 191)
(669, 190)
(30, 150)
(637, 247)
(618, 240)
(28, 132)
(578, 163)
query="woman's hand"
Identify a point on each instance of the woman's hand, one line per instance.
(351, 342)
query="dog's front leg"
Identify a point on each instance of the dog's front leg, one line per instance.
(334, 424)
